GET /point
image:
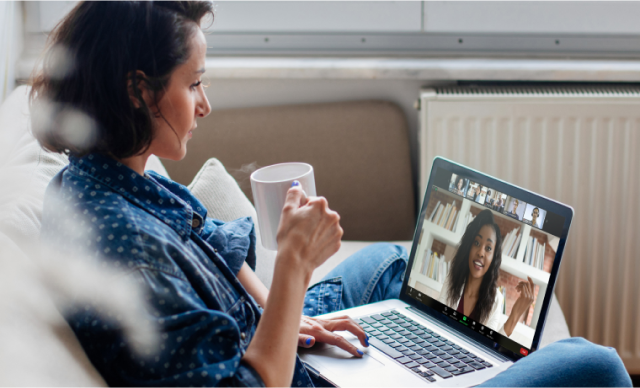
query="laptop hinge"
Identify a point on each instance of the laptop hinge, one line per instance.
(478, 344)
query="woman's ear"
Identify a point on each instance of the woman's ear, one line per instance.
(140, 91)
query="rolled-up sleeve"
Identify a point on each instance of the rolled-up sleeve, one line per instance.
(198, 346)
(235, 241)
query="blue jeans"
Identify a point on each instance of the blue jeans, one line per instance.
(376, 273)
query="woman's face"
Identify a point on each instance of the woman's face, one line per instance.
(460, 184)
(183, 102)
(481, 254)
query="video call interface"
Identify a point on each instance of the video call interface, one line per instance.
(447, 259)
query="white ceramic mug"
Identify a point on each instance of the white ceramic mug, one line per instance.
(270, 185)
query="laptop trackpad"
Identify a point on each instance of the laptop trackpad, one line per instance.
(331, 358)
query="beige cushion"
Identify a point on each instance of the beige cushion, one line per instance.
(225, 201)
(359, 150)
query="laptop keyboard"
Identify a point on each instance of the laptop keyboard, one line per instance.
(418, 348)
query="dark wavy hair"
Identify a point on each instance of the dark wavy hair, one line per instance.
(91, 56)
(459, 272)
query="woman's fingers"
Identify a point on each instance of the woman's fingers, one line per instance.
(306, 341)
(339, 341)
(345, 323)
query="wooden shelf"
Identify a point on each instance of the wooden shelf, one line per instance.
(442, 234)
(427, 281)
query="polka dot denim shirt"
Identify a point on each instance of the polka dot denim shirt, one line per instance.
(158, 234)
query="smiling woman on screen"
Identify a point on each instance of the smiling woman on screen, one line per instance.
(470, 286)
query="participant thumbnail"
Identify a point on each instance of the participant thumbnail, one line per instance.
(458, 185)
(474, 192)
(496, 200)
(515, 208)
(534, 216)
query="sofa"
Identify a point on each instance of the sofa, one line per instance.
(360, 153)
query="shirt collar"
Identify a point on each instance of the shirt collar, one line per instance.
(168, 201)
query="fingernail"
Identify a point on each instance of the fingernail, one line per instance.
(366, 341)
(360, 352)
(295, 183)
(308, 341)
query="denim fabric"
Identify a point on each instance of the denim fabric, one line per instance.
(572, 362)
(159, 235)
(373, 274)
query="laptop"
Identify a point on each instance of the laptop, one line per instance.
(425, 339)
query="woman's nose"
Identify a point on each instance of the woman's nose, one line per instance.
(203, 108)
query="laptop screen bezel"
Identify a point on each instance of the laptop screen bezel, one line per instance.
(511, 190)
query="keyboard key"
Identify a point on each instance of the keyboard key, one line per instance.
(441, 372)
(419, 326)
(422, 351)
(425, 335)
(419, 341)
(428, 364)
(430, 356)
(402, 340)
(388, 340)
(401, 315)
(478, 359)
(404, 332)
(476, 365)
(381, 336)
(432, 339)
(442, 364)
(377, 325)
(413, 356)
(416, 369)
(459, 356)
(378, 317)
(431, 348)
(411, 336)
(466, 360)
(446, 357)
(418, 332)
(395, 344)
(384, 348)
(404, 324)
(368, 320)
(465, 351)
(451, 369)
(395, 336)
(385, 321)
(453, 352)
(467, 369)
(456, 372)
(487, 364)
(438, 344)
(393, 326)
(445, 348)
(412, 364)
(407, 352)
(438, 352)
(413, 329)
(456, 347)
(388, 332)
(402, 348)
(415, 348)
(404, 360)
(387, 314)
(395, 318)
(428, 331)
(374, 333)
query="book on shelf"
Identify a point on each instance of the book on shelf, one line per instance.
(444, 215)
(434, 266)
(449, 223)
(534, 253)
(503, 291)
(435, 210)
(511, 241)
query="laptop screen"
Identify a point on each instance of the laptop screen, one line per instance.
(484, 256)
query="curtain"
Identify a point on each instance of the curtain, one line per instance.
(7, 57)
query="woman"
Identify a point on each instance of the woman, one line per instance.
(135, 72)
(471, 285)
(132, 72)
(460, 187)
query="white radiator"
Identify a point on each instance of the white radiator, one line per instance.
(579, 146)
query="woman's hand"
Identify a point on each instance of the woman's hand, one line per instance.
(522, 304)
(321, 330)
(309, 232)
